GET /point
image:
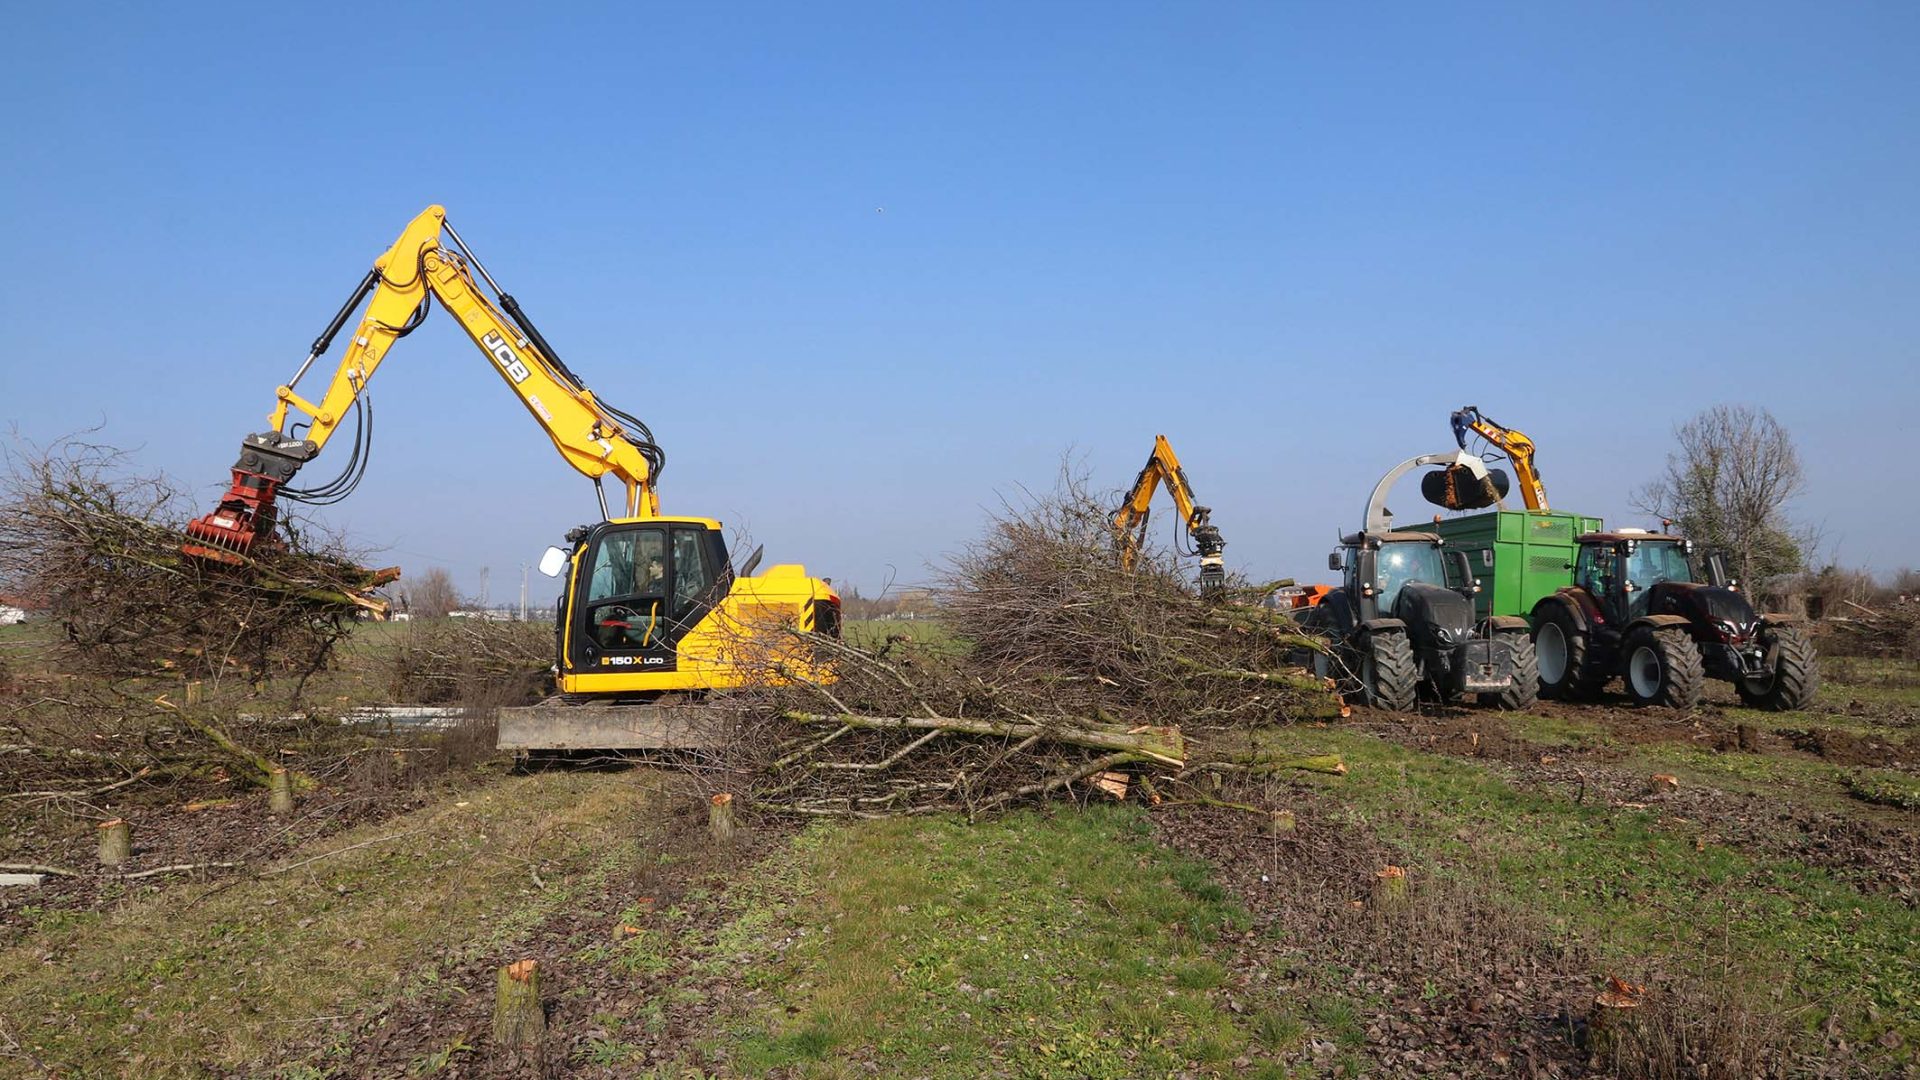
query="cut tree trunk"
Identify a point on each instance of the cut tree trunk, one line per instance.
(279, 792)
(519, 1020)
(720, 819)
(116, 842)
(1390, 887)
(1160, 744)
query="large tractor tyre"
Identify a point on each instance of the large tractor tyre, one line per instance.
(1526, 673)
(1560, 650)
(1388, 675)
(1795, 677)
(1662, 667)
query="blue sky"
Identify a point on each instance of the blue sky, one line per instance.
(1289, 238)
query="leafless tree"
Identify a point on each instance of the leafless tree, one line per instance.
(432, 595)
(1728, 484)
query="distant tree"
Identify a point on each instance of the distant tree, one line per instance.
(1727, 486)
(432, 596)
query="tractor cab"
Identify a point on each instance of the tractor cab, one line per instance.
(1377, 569)
(1644, 606)
(1630, 574)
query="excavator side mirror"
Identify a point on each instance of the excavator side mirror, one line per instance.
(554, 561)
(1334, 562)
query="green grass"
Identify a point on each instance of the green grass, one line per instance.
(1063, 944)
(195, 979)
(1637, 888)
(873, 633)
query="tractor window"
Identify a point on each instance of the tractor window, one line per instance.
(1651, 564)
(691, 574)
(1398, 564)
(1594, 570)
(631, 562)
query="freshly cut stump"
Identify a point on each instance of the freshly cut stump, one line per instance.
(116, 842)
(280, 793)
(720, 819)
(1390, 887)
(1612, 1011)
(519, 1020)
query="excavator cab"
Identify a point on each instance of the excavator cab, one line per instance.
(639, 587)
(653, 606)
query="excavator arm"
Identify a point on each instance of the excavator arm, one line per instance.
(1515, 445)
(1129, 522)
(405, 281)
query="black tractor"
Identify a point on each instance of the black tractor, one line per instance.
(1396, 623)
(1643, 607)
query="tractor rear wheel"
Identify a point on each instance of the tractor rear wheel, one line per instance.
(1388, 676)
(1662, 667)
(1560, 656)
(1526, 673)
(1795, 677)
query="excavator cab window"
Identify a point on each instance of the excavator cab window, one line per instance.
(692, 574)
(627, 588)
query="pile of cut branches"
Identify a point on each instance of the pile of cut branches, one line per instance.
(1888, 630)
(472, 662)
(1069, 676)
(100, 550)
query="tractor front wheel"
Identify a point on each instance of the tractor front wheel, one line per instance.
(1794, 678)
(1388, 675)
(1526, 673)
(1662, 667)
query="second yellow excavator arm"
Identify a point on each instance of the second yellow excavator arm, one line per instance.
(1515, 445)
(1130, 519)
(417, 270)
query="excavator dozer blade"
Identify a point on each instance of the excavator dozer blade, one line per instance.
(553, 725)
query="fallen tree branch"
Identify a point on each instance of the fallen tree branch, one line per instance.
(36, 868)
(1257, 764)
(1159, 744)
(144, 772)
(178, 868)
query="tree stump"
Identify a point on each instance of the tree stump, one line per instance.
(720, 819)
(1390, 887)
(194, 693)
(1283, 822)
(116, 842)
(519, 1020)
(280, 792)
(1747, 738)
(1612, 1010)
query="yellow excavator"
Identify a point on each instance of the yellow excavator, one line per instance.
(1515, 445)
(652, 605)
(1129, 522)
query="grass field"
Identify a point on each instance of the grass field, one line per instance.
(1768, 889)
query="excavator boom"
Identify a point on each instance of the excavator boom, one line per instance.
(1129, 522)
(417, 271)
